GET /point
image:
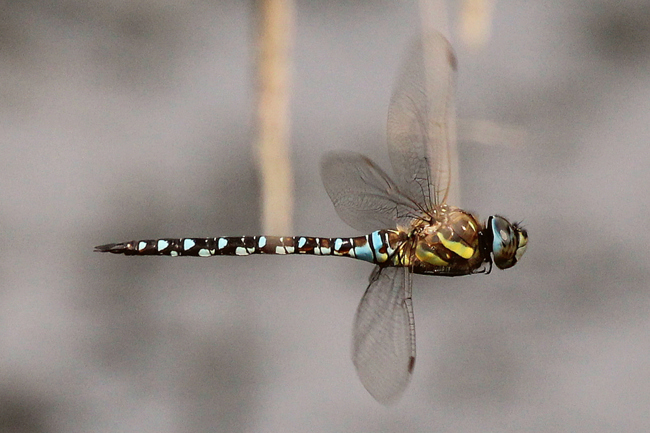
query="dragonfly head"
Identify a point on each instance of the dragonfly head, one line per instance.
(506, 240)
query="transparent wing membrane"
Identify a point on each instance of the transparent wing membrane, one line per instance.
(421, 129)
(383, 349)
(421, 122)
(363, 195)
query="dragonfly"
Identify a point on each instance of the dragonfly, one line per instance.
(412, 229)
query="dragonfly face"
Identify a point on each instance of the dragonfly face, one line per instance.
(508, 241)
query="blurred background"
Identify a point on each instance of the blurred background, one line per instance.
(123, 119)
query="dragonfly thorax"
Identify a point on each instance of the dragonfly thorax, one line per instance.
(448, 244)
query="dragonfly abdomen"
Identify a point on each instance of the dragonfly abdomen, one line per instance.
(377, 247)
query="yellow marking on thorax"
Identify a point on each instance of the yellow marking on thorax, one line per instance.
(457, 247)
(428, 256)
(400, 260)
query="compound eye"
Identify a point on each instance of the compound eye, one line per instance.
(505, 240)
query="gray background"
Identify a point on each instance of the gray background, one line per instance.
(133, 119)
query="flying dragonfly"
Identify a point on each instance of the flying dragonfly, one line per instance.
(412, 228)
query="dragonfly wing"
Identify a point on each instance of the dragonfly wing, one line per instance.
(383, 349)
(363, 195)
(421, 122)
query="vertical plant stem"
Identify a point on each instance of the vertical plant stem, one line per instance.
(274, 71)
(476, 22)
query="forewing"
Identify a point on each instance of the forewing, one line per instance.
(421, 122)
(383, 349)
(363, 195)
